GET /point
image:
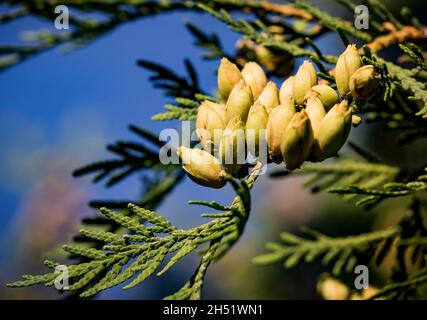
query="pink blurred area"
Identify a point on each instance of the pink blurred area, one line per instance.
(49, 212)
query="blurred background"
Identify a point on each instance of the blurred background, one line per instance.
(58, 111)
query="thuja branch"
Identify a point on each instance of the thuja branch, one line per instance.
(406, 79)
(344, 173)
(139, 253)
(332, 22)
(148, 237)
(341, 251)
(185, 89)
(132, 157)
(388, 190)
(265, 39)
(401, 289)
(116, 13)
(218, 247)
(397, 36)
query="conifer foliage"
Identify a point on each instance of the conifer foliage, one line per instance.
(307, 121)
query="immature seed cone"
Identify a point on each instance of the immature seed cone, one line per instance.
(209, 123)
(364, 83)
(332, 289)
(315, 112)
(255, 130)
(333, 131)
(305, 78)
(255, 77)
(232, 148)
(356, 120)
(239, 102)
(278, 120)
(201, 167)
(228, 76)
(326, 94)
(286, 89)
(364, 294)
(269, 96)
(297, 141)
(347, 64)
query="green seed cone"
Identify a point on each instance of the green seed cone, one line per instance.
(364, 83)
(326, 94)
(305, 78)
(239, 102)
(297, 141)
(228, 76)
(201, 167)
(278, 120)
(347, 64)
(286, 89)
(232, 148)
(254, 77)
(315, 112)
(269, 97)
(255, 130)
(209, 123)
(333, 132)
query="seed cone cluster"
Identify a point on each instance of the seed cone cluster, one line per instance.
(303, 120)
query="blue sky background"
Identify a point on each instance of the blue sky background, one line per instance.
(75, 103)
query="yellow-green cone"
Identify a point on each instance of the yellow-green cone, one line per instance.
(269, 97)
(333, 132)
(255, 77)
(228, 76)
(232, 148)
(201, 167)
(326, 94)
(286, 89)
(278, 120)
(255, 130)
(305, 78)
(332, 289)
(315, 112)
(239, 102)
(356, 120)
(364, 83)
(347, 64)
(297, 141)
(209, 123)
